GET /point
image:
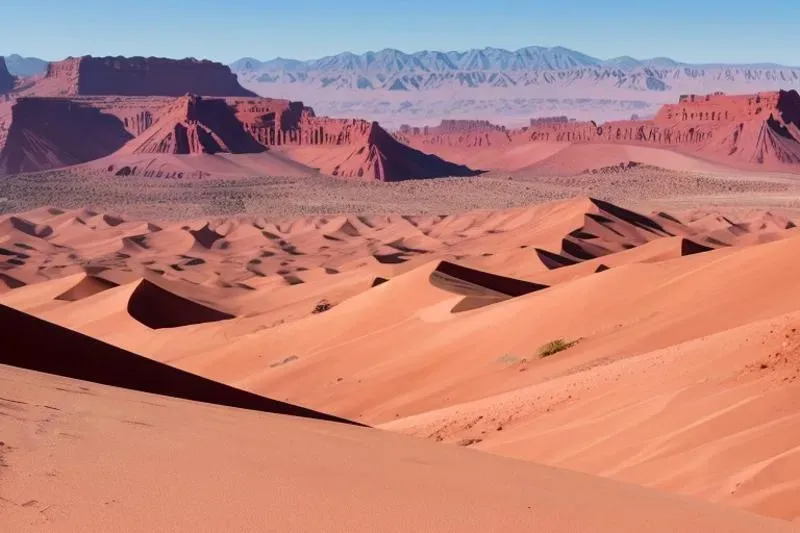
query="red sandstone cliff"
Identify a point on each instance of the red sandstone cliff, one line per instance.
(140, 76)
(746, 131)
(375, 154)
(195, 125)
(345, 148)
(47, 133)
(6, 79)
(51, 133)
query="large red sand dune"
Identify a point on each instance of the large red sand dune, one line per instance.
(78, 456)
(649, 348)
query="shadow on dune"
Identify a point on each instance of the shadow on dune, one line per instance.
(159, 308)
(35, 344)
(689, 247)
(88, 286)
(470, 282)
(479, 288)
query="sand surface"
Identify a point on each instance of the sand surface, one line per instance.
(675, 364)
(73, 450)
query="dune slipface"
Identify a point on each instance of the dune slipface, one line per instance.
(158, 308)
(45, 347)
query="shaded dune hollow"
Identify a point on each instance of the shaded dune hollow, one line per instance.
(45, 347)
(158, 308)
(88, 286)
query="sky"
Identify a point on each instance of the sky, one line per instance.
(696, 31)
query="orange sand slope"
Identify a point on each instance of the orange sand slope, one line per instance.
(676, 359)
(73, 450)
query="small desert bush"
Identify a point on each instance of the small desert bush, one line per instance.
(321, 307)
(555, 346)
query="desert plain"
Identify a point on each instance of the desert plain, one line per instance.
(232, 314)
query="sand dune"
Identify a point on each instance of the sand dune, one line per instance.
(434, 326)
(157, 307)
(44, 347)
(72, 450)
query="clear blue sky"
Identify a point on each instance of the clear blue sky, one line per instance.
(225, 30)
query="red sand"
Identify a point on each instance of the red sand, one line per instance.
(680, 371)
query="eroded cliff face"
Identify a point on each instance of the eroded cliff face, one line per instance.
(7, 81)
(51, 133)
(193, 124)
(47, 133)
(761, 129)
(142, 76)
(346, 148)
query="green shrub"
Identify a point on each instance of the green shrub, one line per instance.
(555, 346)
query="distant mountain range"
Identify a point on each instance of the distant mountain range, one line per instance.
(393, 70)
(496, 84)
(490, 83)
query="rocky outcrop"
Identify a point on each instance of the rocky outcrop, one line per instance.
(195, 125)
(561, 119)
(759, 130)
(7, 81)
(449, 126)
(49, 133)
(349, 148)
(379, 156)
(142, 76)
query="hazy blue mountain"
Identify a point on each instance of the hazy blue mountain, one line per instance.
(531, 70)
(25, 66)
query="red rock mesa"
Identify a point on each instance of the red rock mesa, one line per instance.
(143, 76)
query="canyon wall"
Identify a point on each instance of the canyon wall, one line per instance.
(51, 133)
(142, 76)
(347, 148)
(48, 133)
(758, 130)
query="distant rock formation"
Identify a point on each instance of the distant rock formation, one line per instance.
(379, 156)
(49, 133)
(353, 148)
(747, 131)
(535, 122)
(7, 81)
(142, 76)
(195, 125)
